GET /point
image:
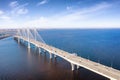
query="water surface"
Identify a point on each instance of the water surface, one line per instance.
(19, 63)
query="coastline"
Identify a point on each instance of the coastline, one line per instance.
(4, 36)
(4, 33)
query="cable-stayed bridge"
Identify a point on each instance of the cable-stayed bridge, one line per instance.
(31, 36)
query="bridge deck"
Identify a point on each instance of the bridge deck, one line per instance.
(103, 70)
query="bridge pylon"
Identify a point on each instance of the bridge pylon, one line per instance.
(18, 32)
(28, 38)
(35, 34)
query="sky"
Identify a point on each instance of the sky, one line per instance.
(59, 14)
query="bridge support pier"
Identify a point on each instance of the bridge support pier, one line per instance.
(55, 56)
(36, 47)
(39, 50)
(77, 67)
(28, 38)
(72, 66)
(18, 40)
(28, 44)
(50, 55)
(44, 50)
(23, 41)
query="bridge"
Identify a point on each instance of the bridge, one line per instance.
(31, 36)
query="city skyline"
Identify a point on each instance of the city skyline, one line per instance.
(60, 13)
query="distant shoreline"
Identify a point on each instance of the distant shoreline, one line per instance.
(4, 36)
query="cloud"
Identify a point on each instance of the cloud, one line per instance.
(12, 17)
(4, 17)
(95, 8)
(22, 11)
(13, 4)
(68, 8)
(76, 18)
(85, 17)
(42, 2)
(18, 9)
(1, 12)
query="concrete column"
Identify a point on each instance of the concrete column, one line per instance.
(35, 47)
(39, 50)
(50, 55)
(23, 41)
(18, 32)
(18, 40)
(44, 50)
(72, 66)
(77, 66)
(55, 56)
(28, 38)
(28, 44)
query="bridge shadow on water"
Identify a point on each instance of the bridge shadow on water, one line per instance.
(38, 66)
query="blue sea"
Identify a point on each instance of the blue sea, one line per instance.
(99, 45)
